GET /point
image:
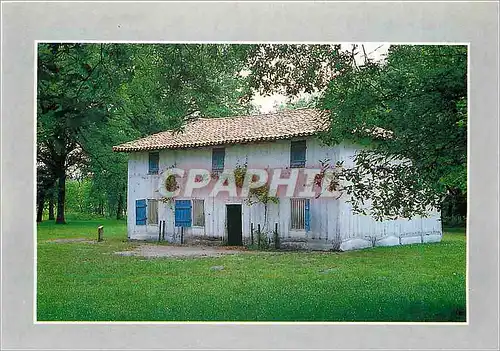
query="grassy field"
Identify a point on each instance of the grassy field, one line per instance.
(87, 282)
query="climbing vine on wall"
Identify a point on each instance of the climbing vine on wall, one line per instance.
(171, 185)
(334, 184)
(261, 195)
(240, 172)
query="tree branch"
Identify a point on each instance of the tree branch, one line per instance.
(90, 73)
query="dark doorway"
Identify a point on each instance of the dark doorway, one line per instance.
(234, 232)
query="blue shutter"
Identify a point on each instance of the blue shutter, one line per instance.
(218, 159)
(298, 154)
(307, 218)
(183, 213)
(140, 212)
(154, 160)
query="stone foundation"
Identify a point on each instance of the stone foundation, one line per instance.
(411, 240)
(356, 243)
(388, 241)
(299, 244)
(204, 240)
(432, 238)
(293, 244)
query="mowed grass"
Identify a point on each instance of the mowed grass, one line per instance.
(87, 282)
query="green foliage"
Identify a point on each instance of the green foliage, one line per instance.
(78, 84)
(454, 209)
(302, 102)
(78, 194)
(419, 95)
(411, 106)
(240, 172)
(88, 282)
(94, 96)
(262, 240)
(171, 183)
(293, 69)
(261, 195)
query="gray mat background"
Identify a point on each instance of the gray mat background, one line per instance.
(23, 23)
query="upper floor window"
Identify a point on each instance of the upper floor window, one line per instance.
(298, 154)
(218, 155)
(154, 162)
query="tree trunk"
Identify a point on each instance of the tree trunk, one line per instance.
(119, 210)
(61, 197)
(51, 207)
(39, 210)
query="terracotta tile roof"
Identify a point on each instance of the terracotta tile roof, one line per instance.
(234, 130)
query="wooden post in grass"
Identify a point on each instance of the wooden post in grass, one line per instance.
(163, 232)
(258, 236)
(100, 233)
(251, 233)
(159, 231)
(276, 238)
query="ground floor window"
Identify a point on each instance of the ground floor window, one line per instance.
(152, 211)
(198, 213)
(183, 213)
(140, 212)
(300, 214)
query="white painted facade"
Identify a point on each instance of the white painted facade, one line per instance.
(331, 220)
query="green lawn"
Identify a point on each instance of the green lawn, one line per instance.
(86, 282)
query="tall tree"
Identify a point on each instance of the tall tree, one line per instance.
(76, 82)
(45, 182)
(171, 84)
(94, 96)
(418, 98)
(411, 107)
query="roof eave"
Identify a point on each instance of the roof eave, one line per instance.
(120, 148)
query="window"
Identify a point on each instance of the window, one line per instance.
(146, 212)
(198, 213)
(218, 159)
(183, 213)
(152, 211)
(140, 212)
(154, 161)
(298, 154)
(300, 214)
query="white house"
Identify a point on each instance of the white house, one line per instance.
(278, 141)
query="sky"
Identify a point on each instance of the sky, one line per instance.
(268, 103)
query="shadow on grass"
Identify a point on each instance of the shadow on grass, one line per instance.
(454, 230)
(420, 311)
